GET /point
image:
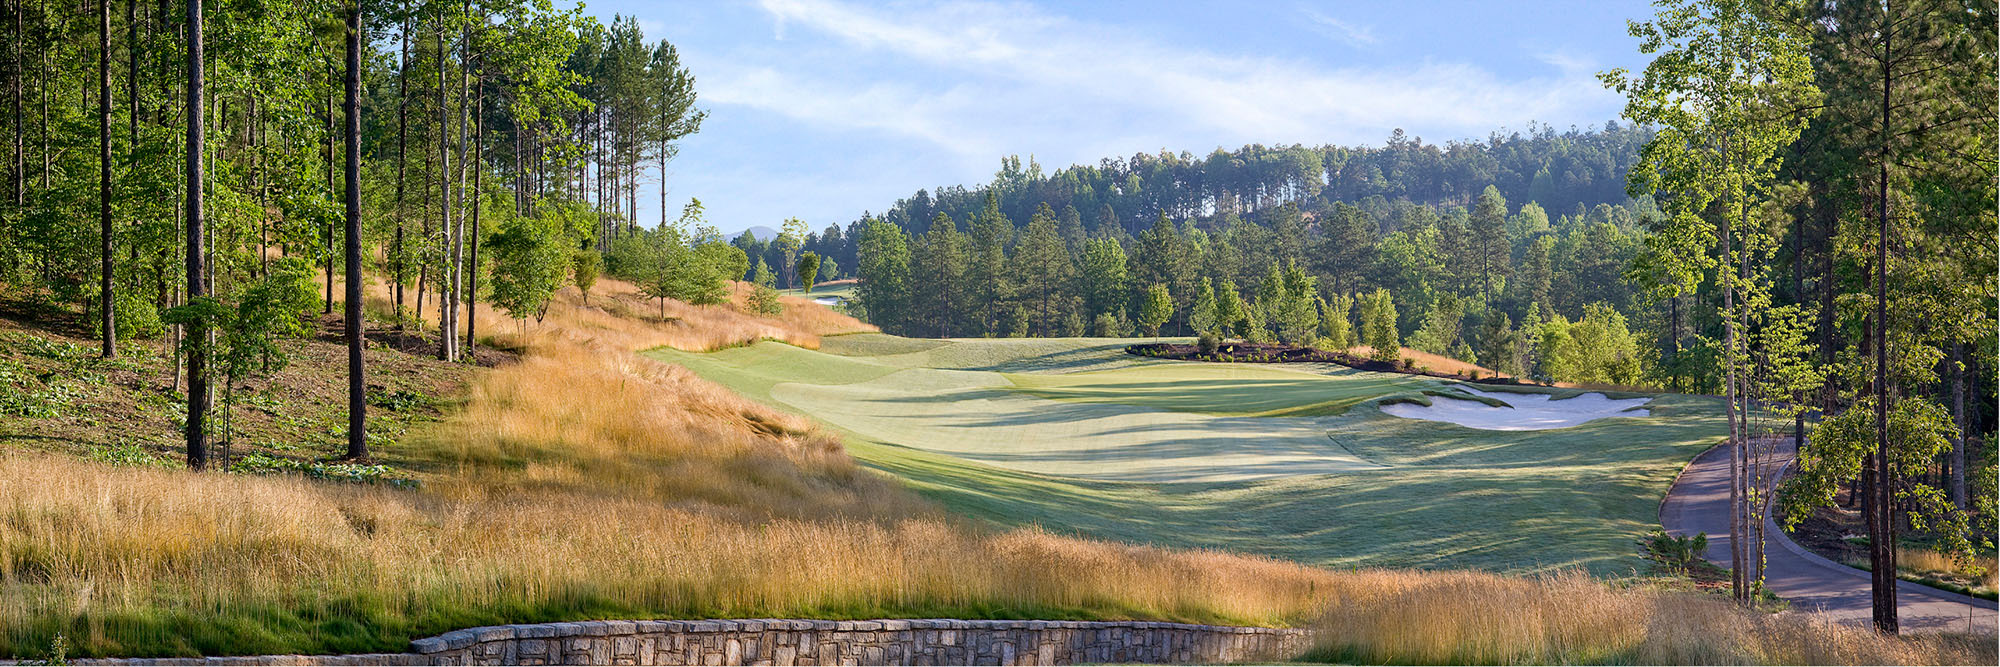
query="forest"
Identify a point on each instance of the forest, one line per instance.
(207, 178)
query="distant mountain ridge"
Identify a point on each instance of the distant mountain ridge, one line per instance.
(759, 232)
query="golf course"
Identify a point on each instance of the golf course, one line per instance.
(1296, 461)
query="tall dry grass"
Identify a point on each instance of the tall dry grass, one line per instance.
(615, 315)
(1476, 618)
(114, 556)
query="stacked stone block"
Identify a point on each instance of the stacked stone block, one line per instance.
(804, 642)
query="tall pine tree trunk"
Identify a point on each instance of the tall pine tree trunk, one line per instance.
(1882, 529)
(326, 242)
(478, 185)
(357, 387)
(397, 251)
(19, 73)
(107, 300)
(198, 398)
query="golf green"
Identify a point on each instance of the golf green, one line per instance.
(1287, 460)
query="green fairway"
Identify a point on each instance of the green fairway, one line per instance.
(1268, 390)
(1292, 461)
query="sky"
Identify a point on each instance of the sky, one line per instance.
(826, 109)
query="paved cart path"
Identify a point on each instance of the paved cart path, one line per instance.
(1699, 503)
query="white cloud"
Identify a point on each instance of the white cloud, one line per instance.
(1015, 78)
(849, 106)
(1352, 35)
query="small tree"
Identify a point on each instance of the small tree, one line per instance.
(1156, 309)
(1556, 356)
(1110, 326)
(276, 307)
(725, 262)
(1339, 331)
(763, 295)
(530, 256)
(1496, 343)
(1296, 310)
(1202, 316)
(584, 266)
(808, 269)
(1229, 309)
(1017, 322)
(1379, 326)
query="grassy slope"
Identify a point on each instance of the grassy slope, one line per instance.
(1452, 497)
(578, 482)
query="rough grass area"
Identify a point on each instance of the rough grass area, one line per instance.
(580, 482)
(1480, 619)
(1288, 461)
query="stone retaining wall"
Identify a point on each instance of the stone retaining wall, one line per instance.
(802, 642)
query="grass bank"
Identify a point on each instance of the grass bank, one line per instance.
(580, 482)
(1568, 618)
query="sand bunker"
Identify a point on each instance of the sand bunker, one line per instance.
(1530, 412)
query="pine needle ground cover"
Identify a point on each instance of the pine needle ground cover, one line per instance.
(1294, 462)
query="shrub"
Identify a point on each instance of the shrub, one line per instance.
(1207, 342)
(1110, 326)
(1674, 553)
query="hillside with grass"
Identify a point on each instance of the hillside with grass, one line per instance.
(574, 480)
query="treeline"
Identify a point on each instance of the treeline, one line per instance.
(207, 176)
(1501, 285)
(1562, 171)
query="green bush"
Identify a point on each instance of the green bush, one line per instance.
(137, 318)
(1674, 553)
(260, 464)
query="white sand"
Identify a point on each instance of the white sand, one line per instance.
(1530, 412)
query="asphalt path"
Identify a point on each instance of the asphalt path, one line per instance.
(1699, 503)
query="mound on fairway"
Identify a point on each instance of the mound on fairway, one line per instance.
(1296, 461)
(1520, 411)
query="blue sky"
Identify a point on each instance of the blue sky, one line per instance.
(824, 109)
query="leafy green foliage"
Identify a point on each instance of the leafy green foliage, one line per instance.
(808, 270)
(263, 464)
(1674, 553)
(1919, 431)
(531, 257)
(1156, 309)
(763, 296)
(1378, 326)
(585, 264)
